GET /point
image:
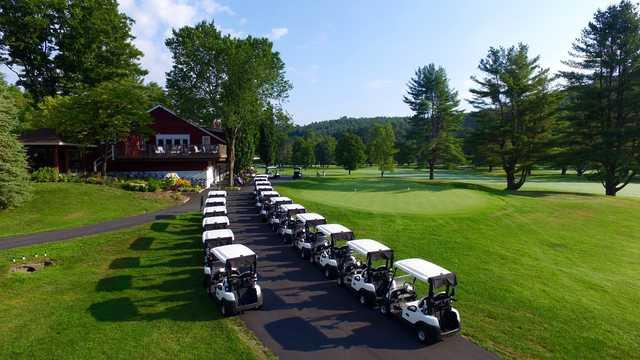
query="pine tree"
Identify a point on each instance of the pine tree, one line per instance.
(14, 179)
(436, 119)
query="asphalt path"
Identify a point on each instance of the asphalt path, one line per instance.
(193, 204)
(306, 316)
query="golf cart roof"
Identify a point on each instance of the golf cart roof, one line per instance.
(216, 200)
(230, 252)
(214, 209)
(310, 217)
(366, 246)
(427, 272)
(297, 168)
(215, 220)
(264, 188)
(279, 199)
(335, 230)
(261, 176)
(217, 234)
(272, 167)
(270, 193)
(217, 193)
(262, 183)
(291, 207)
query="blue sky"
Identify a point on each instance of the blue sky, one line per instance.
(354, 58)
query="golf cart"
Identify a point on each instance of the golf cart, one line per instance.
(432, 315)
(233, 279)
(215, 223)
(369, 279)
(210, 211)
(306, 238)
(297, 172)
(260, 177)
(271, 208)
(214, 238)
(263, 199)
(215, 201)
(260, 189)
(328, 254)
(273, 172)
(259, 184)
(217, 193)
(287, 219)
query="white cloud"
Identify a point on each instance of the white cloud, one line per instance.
(277, 33)
(213, 7)
(378, 84)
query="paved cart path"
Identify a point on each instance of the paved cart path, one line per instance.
(193, 204)
(306, 316)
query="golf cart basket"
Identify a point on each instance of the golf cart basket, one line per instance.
(215, 223)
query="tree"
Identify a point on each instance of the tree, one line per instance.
(436, 119)
(14, 179)
(303, 152)
(272, 134)
(350, 152)
(325, 150)
(56, 46)
(517, 110)
(603, 109)
(215, 76)
(382, 147)
(104, 115)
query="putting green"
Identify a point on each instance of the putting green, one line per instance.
(393, 196)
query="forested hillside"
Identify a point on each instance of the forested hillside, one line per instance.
(359, 126)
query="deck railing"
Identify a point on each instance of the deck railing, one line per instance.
(170, 151)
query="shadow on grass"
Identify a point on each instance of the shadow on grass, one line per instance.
(163, 282)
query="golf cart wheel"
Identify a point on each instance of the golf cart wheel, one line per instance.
(226, 308)
(363, 298)
(302, 256)
(312, 259)
(340, 281)
(385, 309)
(327, 272)
(422, 332)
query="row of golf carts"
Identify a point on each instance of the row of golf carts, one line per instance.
(230, 275)
(414, 290)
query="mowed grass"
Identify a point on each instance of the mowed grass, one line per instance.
(135, 294)
(542, 274)
(57, 206)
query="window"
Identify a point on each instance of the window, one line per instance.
(172, 139)
(206, 140)
(160, 142)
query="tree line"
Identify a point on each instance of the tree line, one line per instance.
(586, 118)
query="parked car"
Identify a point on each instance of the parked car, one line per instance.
(233, 279)
(306, 233)
(271, 206)
(432, 314)
(297, 173)
(327, 255)
(286, 216)
(369, 275)
(210, 211)
(215, 223)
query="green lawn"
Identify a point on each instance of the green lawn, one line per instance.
(64, 205)
(542, 274)
(134, 294)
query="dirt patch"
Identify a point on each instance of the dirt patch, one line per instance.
(165, 195)
(31, 267)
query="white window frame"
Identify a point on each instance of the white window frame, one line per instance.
(172, 138)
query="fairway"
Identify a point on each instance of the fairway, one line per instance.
(65, 205)
(134, 294)
(542, 274)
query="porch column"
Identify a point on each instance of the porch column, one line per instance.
(56, 158)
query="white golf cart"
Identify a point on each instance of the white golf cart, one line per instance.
(259, 190)
(260, 177)
(217, 193)
(270, 208)
(334, 248)
(369, 275)
(306, 233)
(210, 211)
(273, 172)
(432, 315)
(286, 216)
(214, 238)
(259, 184)
(263, 198)
(215, 223)
(215, 201)
(233, 279)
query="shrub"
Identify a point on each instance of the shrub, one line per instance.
(135, 186)
(45, 174)
(182, 184)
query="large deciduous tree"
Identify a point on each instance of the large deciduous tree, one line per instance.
(56, 46)
(215, 76)
(436, 118)
(603, 108)
(14, 179)
(350, 152)
(382, 147)
(325, 150)
(517, 110)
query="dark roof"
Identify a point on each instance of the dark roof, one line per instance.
(43, 136)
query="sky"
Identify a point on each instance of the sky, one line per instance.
(354, 58)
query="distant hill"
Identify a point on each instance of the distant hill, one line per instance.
(359, 126)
